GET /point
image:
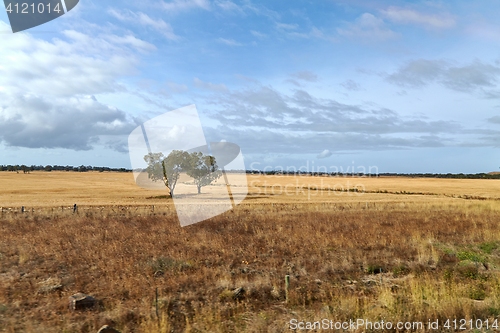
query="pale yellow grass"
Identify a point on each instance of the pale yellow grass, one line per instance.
(53, 189)
(66, 188)
(489, 188)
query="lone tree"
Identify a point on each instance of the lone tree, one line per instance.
(203, 169)
(168, 169)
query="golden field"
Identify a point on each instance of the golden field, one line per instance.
(53, 189)
(394, 249)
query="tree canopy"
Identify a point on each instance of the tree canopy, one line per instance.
(202, 168)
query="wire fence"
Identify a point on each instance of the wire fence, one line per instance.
(83, 210)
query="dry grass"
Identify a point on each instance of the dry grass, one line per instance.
(374, 256)
(48, 189)
(55, 189)
(484, 188)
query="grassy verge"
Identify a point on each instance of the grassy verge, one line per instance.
(385, 262)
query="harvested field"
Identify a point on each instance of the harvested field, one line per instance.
(428, 249)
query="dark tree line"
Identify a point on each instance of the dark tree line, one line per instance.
(410, 175)
(82, 168)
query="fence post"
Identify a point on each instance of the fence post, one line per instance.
(156, 306)
(287, 284)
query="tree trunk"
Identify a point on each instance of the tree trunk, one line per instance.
(199, 189)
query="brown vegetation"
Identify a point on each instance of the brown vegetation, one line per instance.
(375, 256)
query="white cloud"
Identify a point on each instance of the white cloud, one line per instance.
(472, 76)
(465, 78)
(351, 85)
(483, 30)
(176, 87)
(47, 97)
(32, 121)
(261, 10)
(418, 72)
(258, 34)
(230, 42)
(158, 25)
(410, 16)
(324, 154)
(82, 64)
(266, 119)
(292, 30)
(305, 76)
(494, 120)
(133, 41)
(369, 28)
(228, 6)
(177, 132)
(286, 26)
(313, 33)
(181, 5)
(209, 85)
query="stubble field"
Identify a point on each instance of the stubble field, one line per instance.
(393, 249)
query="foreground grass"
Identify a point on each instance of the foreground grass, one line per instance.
(394, 262)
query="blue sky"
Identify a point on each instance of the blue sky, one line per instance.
(403, 86)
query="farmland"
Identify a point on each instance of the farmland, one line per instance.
(392, 249)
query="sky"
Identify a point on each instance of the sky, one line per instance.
(395, 86)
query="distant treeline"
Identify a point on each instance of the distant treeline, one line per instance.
(446, 175)
(409, 175)
(81, 168)
(86, 168)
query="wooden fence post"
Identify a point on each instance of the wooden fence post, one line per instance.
(287, 285)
